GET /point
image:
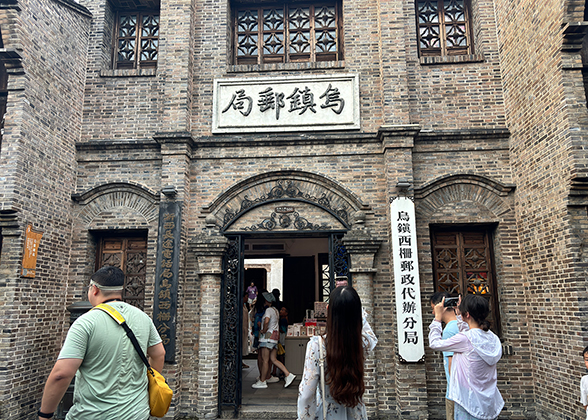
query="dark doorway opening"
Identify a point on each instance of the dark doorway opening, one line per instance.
(308, 264)
(299, 286)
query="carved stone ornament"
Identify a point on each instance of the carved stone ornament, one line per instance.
(284, 190)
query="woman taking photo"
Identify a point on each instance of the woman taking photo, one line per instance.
(476, 350)
(347, 339)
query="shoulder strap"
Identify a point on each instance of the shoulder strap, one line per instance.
(121, 321)
(322, 367)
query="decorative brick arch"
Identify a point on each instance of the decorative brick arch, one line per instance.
(476, 194)
(249, 205)
(128, 205)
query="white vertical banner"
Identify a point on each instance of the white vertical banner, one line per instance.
(409, 319)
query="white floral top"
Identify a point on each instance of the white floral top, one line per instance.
(310, 401)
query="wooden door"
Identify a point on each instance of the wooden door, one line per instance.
(130, 255)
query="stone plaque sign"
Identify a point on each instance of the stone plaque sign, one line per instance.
(291, 103)
(166, 280)
(409, 317)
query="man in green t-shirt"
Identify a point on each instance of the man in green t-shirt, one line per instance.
(111, 379)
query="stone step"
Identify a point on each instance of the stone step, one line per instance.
(270, 412)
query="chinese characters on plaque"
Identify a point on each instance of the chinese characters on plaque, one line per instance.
(166, 281)
(288, 103)
(406, 280)
(29, 257)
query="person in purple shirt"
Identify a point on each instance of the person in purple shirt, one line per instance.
(251, 293)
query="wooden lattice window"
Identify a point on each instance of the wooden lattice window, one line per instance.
(130, 254)
(288, 33)
(444, 27)
(136, 40)
(463, 263)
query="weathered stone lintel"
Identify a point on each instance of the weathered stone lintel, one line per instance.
(175, 142)
(209, 250)
(285, 139)
(573, 35)
(9, 222)
(398, 136)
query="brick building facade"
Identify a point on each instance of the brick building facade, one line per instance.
(132, 137)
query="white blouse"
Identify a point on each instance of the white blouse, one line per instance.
(473, 379)
(310, 401)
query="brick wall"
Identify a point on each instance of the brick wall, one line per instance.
(139, 131)
(38, 165)
(125, 101)
(394, 89)
(540, 104)
(449, 94)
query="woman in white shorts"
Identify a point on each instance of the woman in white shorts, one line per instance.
(268, 342)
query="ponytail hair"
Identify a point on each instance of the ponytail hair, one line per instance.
(478, 308)
(345, 357)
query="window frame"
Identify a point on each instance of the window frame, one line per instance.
(288, 56)
(443, 50)
(491, 280)
(137, 63)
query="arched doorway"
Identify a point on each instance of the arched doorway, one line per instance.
(288, 206)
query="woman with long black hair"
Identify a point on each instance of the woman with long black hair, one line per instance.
(347, 339)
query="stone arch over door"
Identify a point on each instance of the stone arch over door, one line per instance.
(468, 197)
(288, 202)
(462, 200)
(116, 208)
(117, 204)
(284, 201)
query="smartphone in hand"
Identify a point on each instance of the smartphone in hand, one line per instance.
(451, 302)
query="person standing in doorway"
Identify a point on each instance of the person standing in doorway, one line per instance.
(256, 316)
(282, 341)
(449, 330)
(252, 293)
(111, 379)
(269, 336)
(277, 303)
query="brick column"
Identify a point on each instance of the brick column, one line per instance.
(175, 64)
(209, 250)
(176, 150)
(362, 248)
(410, 378)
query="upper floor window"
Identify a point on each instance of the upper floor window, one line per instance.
(136, 40)
(463, 263)
(285, 33)
(444, 27)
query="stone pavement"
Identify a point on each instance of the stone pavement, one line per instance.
(274, 402)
